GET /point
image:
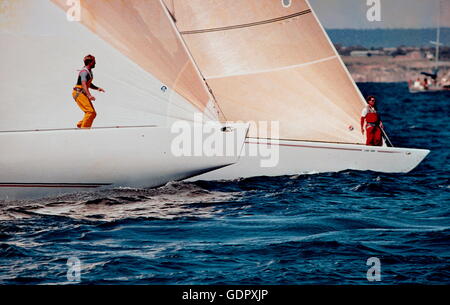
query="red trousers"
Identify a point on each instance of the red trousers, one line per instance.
(374, 137)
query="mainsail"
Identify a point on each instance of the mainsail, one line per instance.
(267, 62)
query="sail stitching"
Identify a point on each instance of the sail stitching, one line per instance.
(274, 69)
(232, 27)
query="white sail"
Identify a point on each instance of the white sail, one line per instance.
(265, 62)
(136, 56)
(150, 80)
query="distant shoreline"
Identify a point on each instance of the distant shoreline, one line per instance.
(390, 55)
(387, 38)
(387, 69)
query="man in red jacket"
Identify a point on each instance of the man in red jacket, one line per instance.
(373, 123)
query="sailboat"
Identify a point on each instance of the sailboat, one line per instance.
(265, 61)
(151, 84)
(436, 84)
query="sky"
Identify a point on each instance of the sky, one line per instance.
(339, 14)
(344, 14)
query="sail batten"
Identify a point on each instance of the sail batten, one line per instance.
(199, 14)
(246, 25)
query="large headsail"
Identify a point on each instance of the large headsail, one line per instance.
(141, 30)
(142, 63)
(264, 61)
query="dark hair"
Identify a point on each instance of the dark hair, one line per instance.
(370, 97)
(88, 59)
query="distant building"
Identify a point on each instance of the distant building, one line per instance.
(367, 53)
(415, 55)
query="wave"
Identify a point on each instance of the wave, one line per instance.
(174, 200)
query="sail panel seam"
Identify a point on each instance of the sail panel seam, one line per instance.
(246, 25)
(274, 69)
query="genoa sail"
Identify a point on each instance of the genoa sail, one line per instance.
(141, 30)
(267, 62)
(142, 63)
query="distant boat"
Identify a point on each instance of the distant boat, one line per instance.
(436, 84)
(266, 62)
(151, 82)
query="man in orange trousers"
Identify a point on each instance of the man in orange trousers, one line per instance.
(82, 95)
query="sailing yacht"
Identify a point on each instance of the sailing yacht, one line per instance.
(268, 62)
(436, 84)
(151, 84)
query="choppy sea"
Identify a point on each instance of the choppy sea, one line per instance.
(305, 229)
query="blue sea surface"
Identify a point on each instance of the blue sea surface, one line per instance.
(304, 229)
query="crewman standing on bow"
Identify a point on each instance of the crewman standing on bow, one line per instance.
(82, 95)
(373, 125)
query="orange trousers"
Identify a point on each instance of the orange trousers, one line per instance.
(86, 106)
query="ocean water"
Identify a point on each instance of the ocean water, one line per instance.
(305, 229)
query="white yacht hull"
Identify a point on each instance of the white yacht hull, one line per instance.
(298, 157)
(53, 162)
(415, 90)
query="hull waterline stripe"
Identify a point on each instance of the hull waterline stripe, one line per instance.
(324, 147)
(54, 185)
(246, 25)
